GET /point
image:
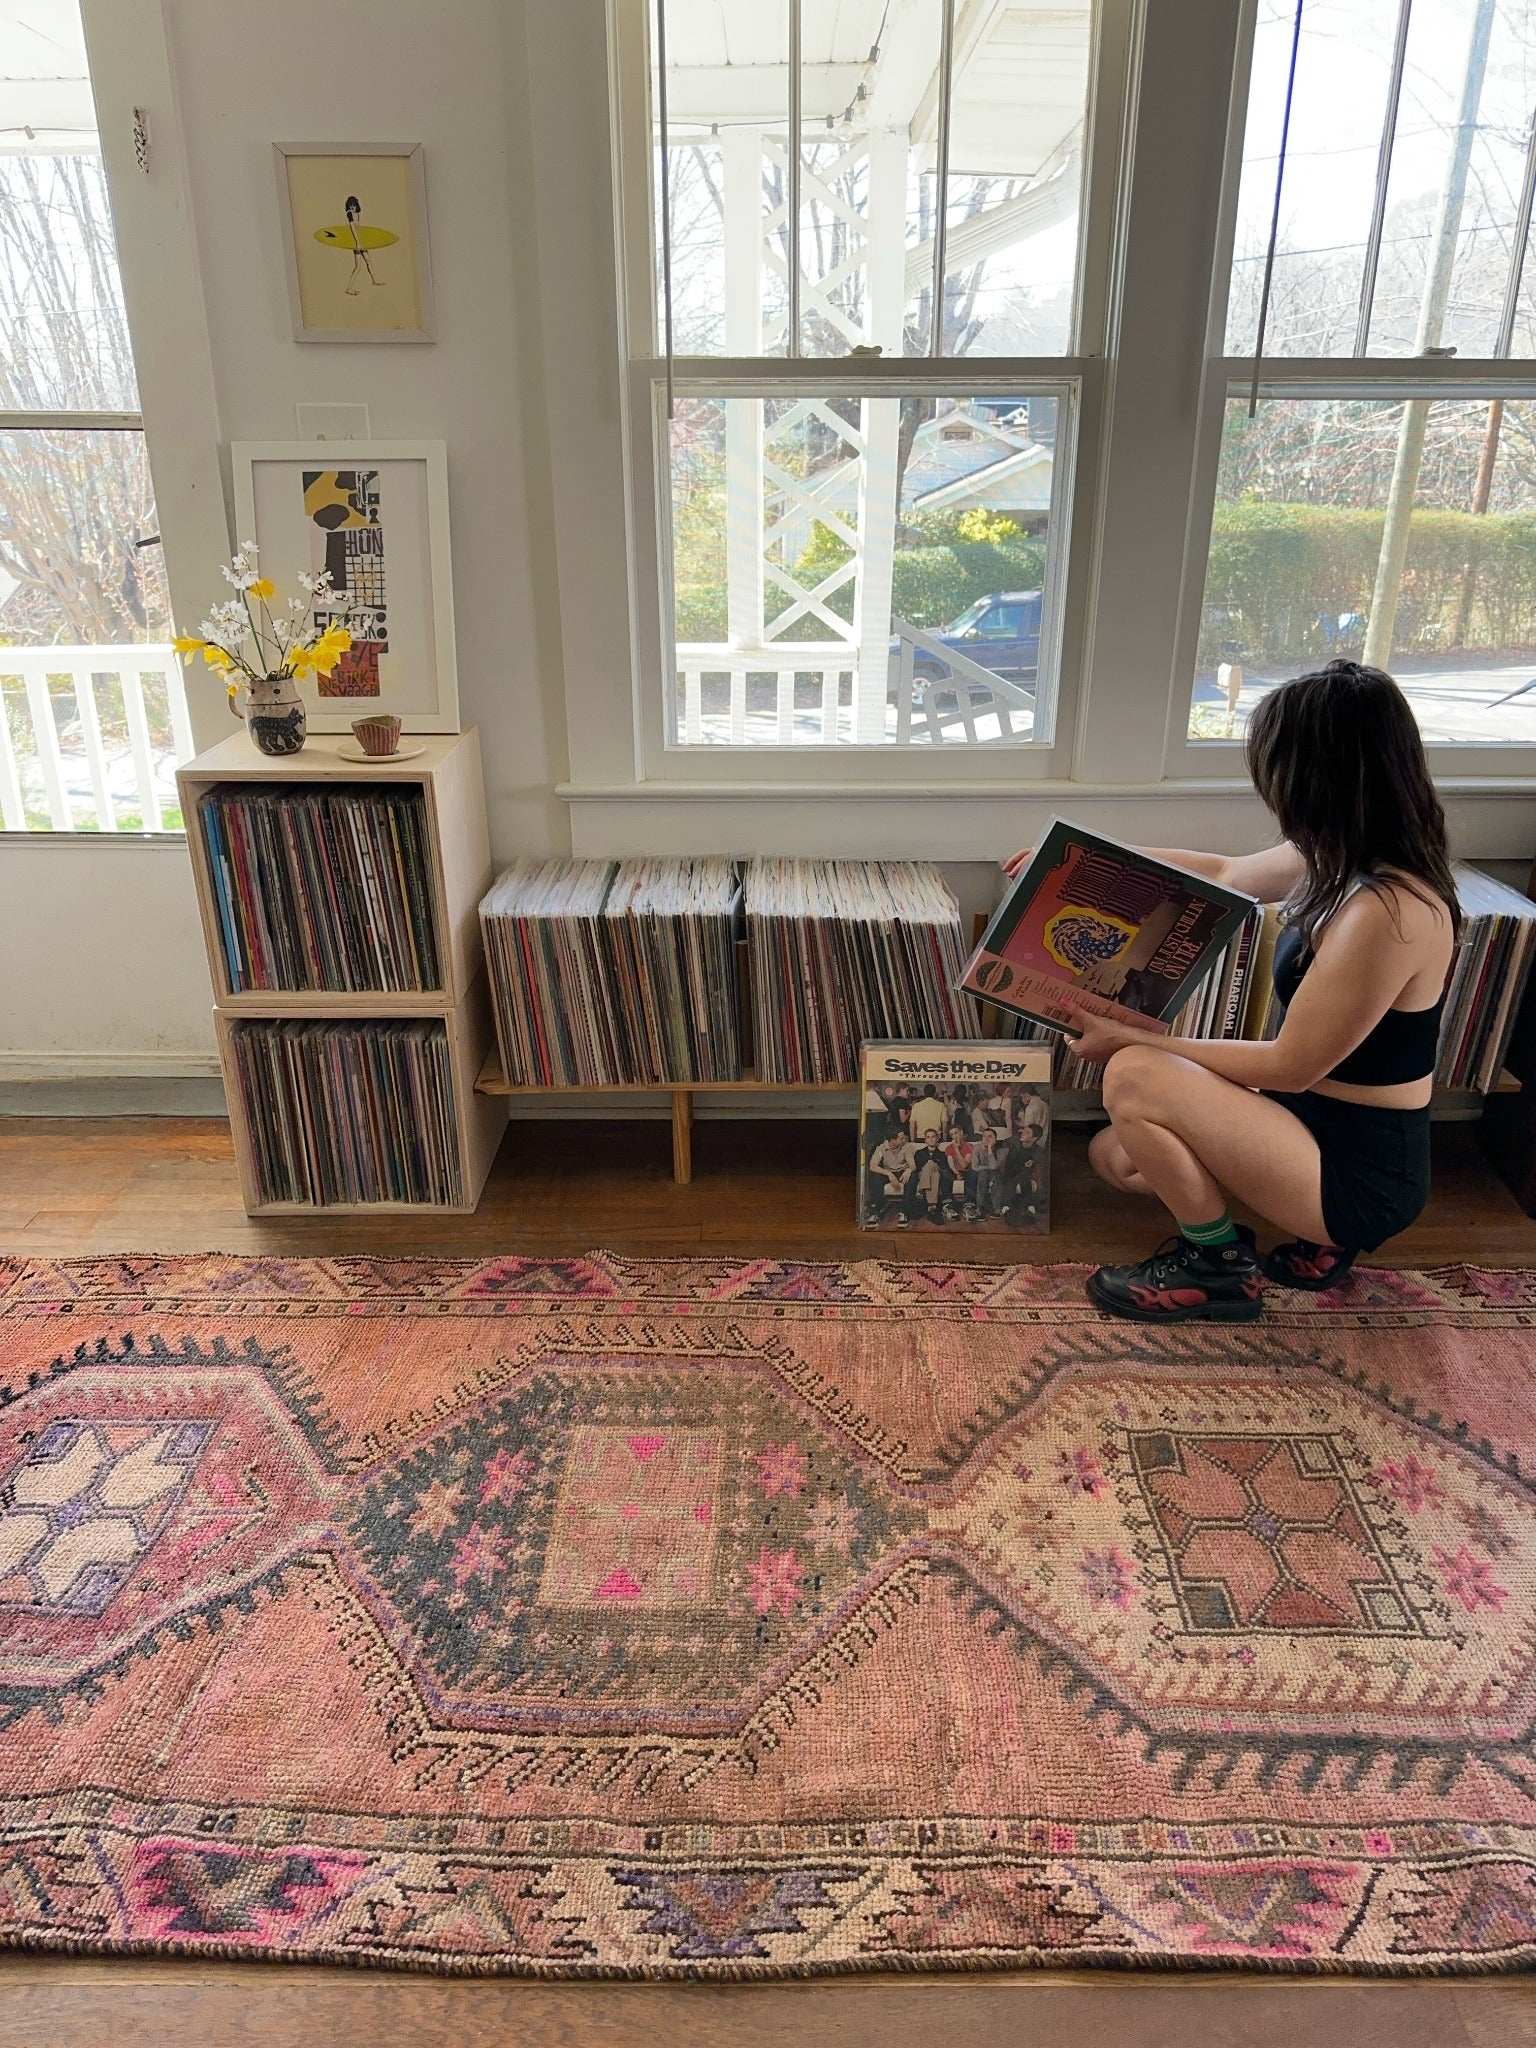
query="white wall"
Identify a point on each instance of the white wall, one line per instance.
(131, 982)
(101, 961)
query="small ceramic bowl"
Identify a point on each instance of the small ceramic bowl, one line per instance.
(377, 736)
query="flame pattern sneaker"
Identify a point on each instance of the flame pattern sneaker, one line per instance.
(1183, 1282)
(1301, 1263)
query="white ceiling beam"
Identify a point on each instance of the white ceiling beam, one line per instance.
(999, 227)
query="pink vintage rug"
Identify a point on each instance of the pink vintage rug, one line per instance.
(753, 1620)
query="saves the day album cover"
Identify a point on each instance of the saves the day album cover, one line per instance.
(955, 1136)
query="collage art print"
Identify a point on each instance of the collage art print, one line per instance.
(344, 516)
(1113, 930)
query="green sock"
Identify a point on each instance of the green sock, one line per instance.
(1210, 1236)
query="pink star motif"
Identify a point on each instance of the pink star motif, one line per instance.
(1411, 1483)
(774, 1581)
(506, 1476)
(476, 1555)
(780, 1469)
(1469, 1580)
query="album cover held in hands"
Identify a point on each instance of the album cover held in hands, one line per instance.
(1122, 935)
(955, 1136)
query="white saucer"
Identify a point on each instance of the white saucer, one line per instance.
(349, 750)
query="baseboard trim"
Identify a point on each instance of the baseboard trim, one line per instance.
(108, 1066)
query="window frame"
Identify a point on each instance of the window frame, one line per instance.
(1224, 377)
(1076, 379)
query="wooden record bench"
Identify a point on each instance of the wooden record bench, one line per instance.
(1458, 1105)
(493, 1081)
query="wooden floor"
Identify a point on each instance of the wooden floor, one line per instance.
(69, 1187)
(760, 1189)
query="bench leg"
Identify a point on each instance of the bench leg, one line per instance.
(682, 1135)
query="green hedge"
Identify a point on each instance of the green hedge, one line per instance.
(1282, 565)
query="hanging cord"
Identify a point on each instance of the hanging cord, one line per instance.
(666, 199)
(1274, 221)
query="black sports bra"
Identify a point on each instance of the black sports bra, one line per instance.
(1400, 1046)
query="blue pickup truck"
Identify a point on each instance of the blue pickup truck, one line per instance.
(1000, 632)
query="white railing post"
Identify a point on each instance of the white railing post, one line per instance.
(738, 673)
(831, 684)
(169, 663)
(785, 681)
(693, 707)
(13, 808)
(138, 743)
(95, 754)
(45, 735)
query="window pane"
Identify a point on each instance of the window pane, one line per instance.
(869, 134)
(63, 338)
(1015, 179)
(1302, 559)
(88, 740)
(863, 571)
(1452, 196)
(728, 131)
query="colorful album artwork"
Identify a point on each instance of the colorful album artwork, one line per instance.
(1126, 936)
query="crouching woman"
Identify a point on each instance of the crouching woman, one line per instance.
(1324, 1129)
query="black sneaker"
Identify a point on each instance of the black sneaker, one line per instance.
(1301, 1263)
(1183, 1282)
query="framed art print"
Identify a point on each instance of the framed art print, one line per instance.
(355, 240)
(375, 514)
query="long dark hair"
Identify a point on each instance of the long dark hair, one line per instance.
(1337, 758)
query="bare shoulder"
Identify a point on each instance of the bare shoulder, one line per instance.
(1394, 912)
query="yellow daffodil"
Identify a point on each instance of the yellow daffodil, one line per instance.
(218, 660)
(188, 645)
(328, 649)
(265, 589)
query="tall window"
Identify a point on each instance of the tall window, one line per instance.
(93, 715)
(1380, 500)
(868, 242)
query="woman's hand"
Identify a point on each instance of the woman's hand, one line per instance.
(1097, 1039)
(1016, 863)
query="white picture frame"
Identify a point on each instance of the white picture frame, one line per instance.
(392, 496)
(352, 277)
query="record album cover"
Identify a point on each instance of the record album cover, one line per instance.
(955, 1136)
(1124, 935)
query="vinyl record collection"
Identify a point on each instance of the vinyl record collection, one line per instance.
(842, 951)
(615, 973)
(1217, 1008)
(349, 1112)
(1493, 964)
(322, 889)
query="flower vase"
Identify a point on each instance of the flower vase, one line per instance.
(275, 715)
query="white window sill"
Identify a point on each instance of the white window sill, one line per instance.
(872, 820)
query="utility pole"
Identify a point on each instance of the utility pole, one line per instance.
(1437, 293)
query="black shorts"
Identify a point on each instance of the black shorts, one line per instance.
(1375, 1166)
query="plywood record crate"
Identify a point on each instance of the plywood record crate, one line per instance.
(339, 902)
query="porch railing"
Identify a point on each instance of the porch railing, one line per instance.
(90, 738)
(806, 693)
